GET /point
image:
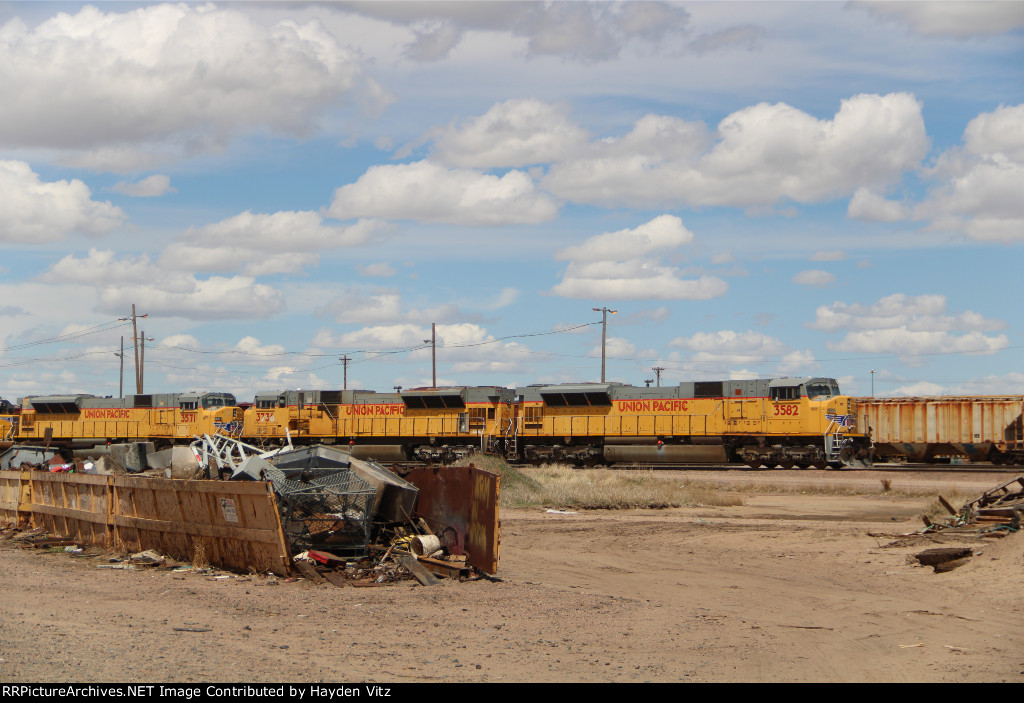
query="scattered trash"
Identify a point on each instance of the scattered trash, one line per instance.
(560, 512)
(147, 558)
(997, 511)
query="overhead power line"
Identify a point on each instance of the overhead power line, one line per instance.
(96, 329)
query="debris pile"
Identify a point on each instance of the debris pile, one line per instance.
(395, 556)
(351, 521)
(997, 512)
(400, 560)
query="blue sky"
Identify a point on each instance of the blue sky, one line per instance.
(758, 188)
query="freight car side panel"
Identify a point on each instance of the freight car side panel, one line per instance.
(923, 428)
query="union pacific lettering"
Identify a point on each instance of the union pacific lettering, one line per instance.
(106, 414)
(647, 406)
(389, 409)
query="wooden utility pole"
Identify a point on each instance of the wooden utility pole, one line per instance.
(604, 334)
(135, 340)
(657, 372)
(142, 361)
(344, 363)
(120, 386)
(433, 353)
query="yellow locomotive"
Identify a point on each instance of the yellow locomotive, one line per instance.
(423, 424)
(164, 418)
(785, 422)
(8, 421)
(782, 422)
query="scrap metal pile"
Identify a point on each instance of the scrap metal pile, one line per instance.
(348, 520)
(351, 521)
(999, 510)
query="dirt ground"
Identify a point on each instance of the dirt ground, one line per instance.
(795, 587)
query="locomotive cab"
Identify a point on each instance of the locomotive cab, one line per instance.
(207, 413)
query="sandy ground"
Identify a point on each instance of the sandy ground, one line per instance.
(798, 587)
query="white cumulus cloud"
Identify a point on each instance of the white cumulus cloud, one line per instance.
(264, 243)
(908, 326)
(160, 291)
(172, 76)
(745, 348)
(976, 187)
(32, 210)
(663, 233)
(760, 155)
(512, 133)
(428, 192)
(626, 265)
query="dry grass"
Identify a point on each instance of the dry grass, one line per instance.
(936, 511)
(562, 486)
(200, 554)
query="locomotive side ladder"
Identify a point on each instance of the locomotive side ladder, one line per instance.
(512, 439)
(834, 442)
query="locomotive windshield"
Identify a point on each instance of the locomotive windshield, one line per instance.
(822, 389)
(220, 400)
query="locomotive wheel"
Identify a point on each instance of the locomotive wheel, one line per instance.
(754, 463)
(819, 464)
(802, 465)
(787, 464)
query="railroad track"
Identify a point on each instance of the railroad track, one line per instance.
(895, 468)
(994, 469)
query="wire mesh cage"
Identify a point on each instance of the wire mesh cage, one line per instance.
(329, 509)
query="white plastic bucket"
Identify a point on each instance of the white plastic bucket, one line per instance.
(424, 545)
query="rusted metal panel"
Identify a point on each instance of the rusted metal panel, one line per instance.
(460, 504)
(230, 524)
(74, 505)
(927, 427)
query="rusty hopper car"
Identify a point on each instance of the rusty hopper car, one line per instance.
(937, 428)
(783, 422)
(164, 418)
